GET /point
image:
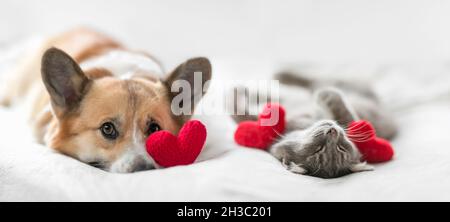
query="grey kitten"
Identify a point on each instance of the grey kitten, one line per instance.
(315, 143)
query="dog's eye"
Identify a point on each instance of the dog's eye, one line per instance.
(109, 131)
(153, 127)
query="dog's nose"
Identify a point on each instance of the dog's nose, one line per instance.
(141, 165)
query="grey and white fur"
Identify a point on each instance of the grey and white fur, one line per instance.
(315, 142)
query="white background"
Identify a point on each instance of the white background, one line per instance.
(281, 31)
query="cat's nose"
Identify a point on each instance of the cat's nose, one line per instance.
(332, 132)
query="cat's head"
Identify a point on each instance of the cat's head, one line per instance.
(323, 150)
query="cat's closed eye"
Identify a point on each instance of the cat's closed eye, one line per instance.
(318, 150)
(341, 149)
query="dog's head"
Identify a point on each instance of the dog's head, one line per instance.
(104, 121)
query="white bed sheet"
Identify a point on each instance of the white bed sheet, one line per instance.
(226, 172)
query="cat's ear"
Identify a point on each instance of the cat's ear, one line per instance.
(360, 167)
(295, 168)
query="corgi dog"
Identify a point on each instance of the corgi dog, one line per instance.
(94, 100)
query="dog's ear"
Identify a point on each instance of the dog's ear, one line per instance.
(187, 84)
(65, 81)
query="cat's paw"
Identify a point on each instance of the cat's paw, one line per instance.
(332, 101)
(329, 98)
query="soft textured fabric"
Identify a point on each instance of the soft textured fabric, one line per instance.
(373, 149)
(418, 94)
(257, 134)
(169, 150)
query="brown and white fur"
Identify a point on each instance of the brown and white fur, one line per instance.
(96, 101)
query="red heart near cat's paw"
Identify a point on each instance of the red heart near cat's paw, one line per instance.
(373, 148)
(261, 133)
(169, 150)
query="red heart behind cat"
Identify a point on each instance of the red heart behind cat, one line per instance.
(169, 150)
(257, 135)
(373, 148)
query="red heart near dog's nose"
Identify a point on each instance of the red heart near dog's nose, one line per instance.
(258, 134)
(169, 150)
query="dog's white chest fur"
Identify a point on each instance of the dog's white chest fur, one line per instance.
(123, 64)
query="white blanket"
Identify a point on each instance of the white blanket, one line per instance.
(419, 96)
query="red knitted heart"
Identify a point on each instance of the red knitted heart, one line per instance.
(169, 150)
(257, 134)
(373, 148)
